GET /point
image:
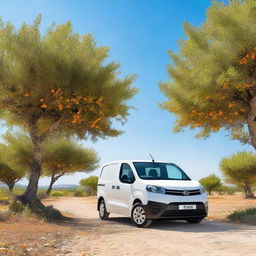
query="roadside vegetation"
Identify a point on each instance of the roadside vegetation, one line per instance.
(90, 184)
(240, 169)
(247, 216)
(211, 183)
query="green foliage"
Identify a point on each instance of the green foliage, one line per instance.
(247, 216)
(91, 184)
(240, 169)
(15, 158)
(60, 81)
(63, 156)
(4, 192)
(223, 189)
(80, 193)
(19, 149)
(10, 169)
(60, 193)
(213, 75)
(211, 183)
(16, 206)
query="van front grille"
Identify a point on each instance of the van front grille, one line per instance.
(182, 192)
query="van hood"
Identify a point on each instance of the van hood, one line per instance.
(174, 184)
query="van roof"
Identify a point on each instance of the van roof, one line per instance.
(131, 161)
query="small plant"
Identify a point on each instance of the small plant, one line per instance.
(80, 192)
(90, 185)
(59, 193)
(16, 206)
(245, 216)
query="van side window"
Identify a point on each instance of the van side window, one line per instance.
(126, 174)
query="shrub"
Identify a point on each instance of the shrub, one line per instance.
(245, 216)
(80, 193)
(16, 206)
(229, 190)
(90, 184)
(59, 193)
(211, 183)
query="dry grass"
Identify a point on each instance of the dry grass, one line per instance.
(31, 236)
(222, 205)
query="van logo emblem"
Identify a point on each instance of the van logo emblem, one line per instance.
(185, 193)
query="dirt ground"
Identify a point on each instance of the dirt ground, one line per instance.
(221, 206)
(23, 236)
(88, 235)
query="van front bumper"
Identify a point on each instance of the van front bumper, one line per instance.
(156, 210)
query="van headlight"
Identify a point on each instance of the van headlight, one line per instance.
(202, 190)
(155, 189)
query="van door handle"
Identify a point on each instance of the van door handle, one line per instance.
(117, 187)
(113, 187)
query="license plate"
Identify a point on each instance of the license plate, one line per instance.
(187, 207)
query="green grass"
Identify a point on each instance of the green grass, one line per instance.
(247, 216)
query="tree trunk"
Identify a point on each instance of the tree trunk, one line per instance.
(50, 186)
(53, 180)
(10, 186)
(248, 191)
(31, 192)
(252, 121)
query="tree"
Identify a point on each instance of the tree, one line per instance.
(214, 75)
(10, 169)
(62, 156)
(9, 176)
(58, 82)
(91, 183)
(240, 169)
(211, 183)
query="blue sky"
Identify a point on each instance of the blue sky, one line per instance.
(139, 34)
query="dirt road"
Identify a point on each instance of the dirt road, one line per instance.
(118, 236)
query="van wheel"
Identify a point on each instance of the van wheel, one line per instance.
(194, 220)
(139, 216)
(102, 210)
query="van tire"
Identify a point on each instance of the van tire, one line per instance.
(194, 220)
(102, 210)
(138, 216)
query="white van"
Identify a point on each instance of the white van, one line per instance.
(148, 190)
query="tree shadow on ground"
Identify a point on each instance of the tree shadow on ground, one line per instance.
(122, 224)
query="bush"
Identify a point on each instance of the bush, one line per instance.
(80, 193)
(90, 184)
(229, 190)
(16, 206)
(247, 216)
(211, 183)
(59, 193)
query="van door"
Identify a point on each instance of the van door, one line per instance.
(124, 194)
(109, 178)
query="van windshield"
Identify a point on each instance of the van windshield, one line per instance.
(159, 171)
